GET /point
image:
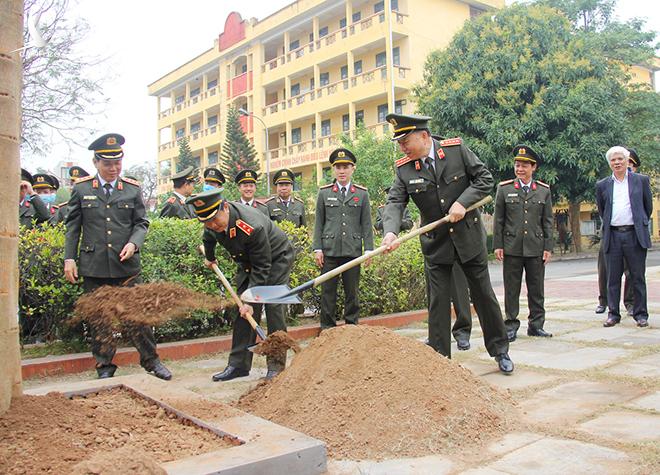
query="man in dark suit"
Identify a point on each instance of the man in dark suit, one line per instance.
(625, 205)
(443, 178)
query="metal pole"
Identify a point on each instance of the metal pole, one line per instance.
(267, 153)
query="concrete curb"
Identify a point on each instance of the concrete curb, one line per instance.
(80, 362)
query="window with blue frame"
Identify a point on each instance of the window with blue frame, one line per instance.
(357, 67)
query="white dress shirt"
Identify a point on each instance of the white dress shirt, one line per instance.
(621, 211)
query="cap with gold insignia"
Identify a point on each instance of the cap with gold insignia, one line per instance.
(43, 181)
(342, 155)
(26, 176)
(634, 157)
(525, 153)
(215, 175)
(76, 172)
(188, 174)
(283, 176)
(206, 204)
(406, 124)
(108, 147)
(246, 176)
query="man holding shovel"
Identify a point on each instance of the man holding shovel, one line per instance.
(264, 256)
(444, 177)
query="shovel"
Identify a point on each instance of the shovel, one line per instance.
(237, 300)
(278, 293)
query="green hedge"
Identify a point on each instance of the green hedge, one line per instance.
(392, 283)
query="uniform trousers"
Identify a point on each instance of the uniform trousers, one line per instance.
(460, 299)
(534, 268)
(351, 282)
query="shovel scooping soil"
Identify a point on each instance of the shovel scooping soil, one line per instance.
(276, 345)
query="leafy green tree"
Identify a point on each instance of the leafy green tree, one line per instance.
(527, 76)
(238, 153)
(185, 158)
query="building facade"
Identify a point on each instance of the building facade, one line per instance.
(306, 74)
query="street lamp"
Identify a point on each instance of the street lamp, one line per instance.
(245, 113)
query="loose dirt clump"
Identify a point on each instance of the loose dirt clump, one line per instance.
(276, 345)
(52, 434)
(148, 304)
(119, 462)
(372, 394)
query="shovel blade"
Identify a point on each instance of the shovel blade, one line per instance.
(270, 294)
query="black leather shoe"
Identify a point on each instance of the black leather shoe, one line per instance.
(538, 332)
(511, 335)
(105, 373)
(463, 344)
(230, 373)
(270, 374)
(601, 309)
(643, 322)
(505, 363)
(610, 322)
(160, 371)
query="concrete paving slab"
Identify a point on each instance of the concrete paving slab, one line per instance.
(644, 367)
(596, 334)
(624, 426)
(483, 471)
(430, 465)
(562, 456)
(575, 315)
(520, 379)
(650, 402)
(569, 402)
(574, 359)
(513, 441)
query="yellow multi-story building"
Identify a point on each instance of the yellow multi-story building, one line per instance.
(306, 74)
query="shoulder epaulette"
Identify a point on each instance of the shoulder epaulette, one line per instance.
(245, 227)
(381, 206)
(270, 199)
(131, 181)
(326, 186)
(450, 142)
(295, 198)
(62, 204)
(360, 187)
(542, 184)
(171, 199)
(403, 161)
(507, 182)
(84, 179)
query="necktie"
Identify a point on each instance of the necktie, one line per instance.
(429, 164)
(525, 188)
(108, 189)
(286, 204)
(343, 192)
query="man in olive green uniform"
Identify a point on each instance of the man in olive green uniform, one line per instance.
(175, 206)
(105, 230)
(31, 208)
(284, 206)
(247, 186)
(444, 178)
(46, 187)
(342, 231)
(406, 221)
(60, 215)
(264, 256)
(213, 179)
(522, 239)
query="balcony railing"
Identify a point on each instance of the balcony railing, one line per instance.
(191, 101)
(331, 39)
(240, 84)
(214, 129)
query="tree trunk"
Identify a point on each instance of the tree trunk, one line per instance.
(11, 38)
(574, 216)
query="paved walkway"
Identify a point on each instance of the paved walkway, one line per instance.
(589, 398)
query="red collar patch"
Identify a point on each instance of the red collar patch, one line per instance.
(120, 185)
(440, 153)
(353, 190)
(232, 233)
(95, 184)
(533, 185)
(418, 166)
(516, 185)
(335, 189)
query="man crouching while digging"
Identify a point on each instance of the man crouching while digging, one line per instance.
(264, 256)
(108, 211)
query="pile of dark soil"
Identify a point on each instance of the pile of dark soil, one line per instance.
(372, 394)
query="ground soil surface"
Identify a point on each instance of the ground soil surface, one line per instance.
(372, 394)
(52, 434)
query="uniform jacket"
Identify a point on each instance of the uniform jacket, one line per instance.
(294, 212)
(406, 221)
(254, 242)
(175, 207)
(256, 205)
(522, 223)
(33, 211)
(103, 226)
(59, 213)
(459, 176)
(343, 228)
(641, 205)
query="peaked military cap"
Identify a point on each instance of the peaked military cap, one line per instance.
(406, 124)
(43, 180)
(108, 147)
(342, 155)
(246, 176)
(283, 176)
(188, 173)
(634, 157)
(525, 153)
(213, 174)
(206, 204)
(76, 172)
(26, 176)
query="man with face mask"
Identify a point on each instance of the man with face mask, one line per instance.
(31, 208)
(213, 179)
(46, 187)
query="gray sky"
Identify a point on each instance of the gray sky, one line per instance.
(145, 39)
